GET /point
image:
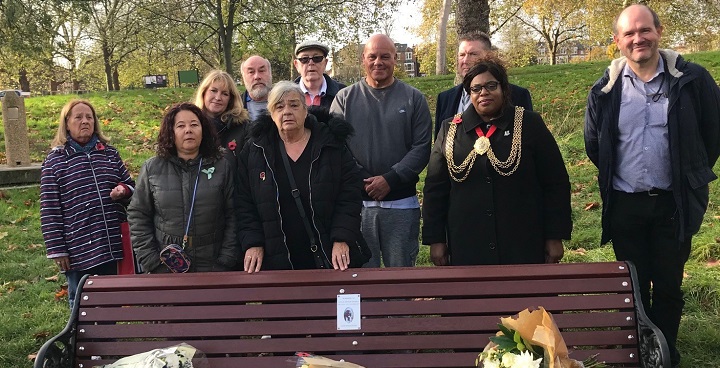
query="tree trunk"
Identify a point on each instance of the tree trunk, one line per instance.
(472, 16)
(440, 61)
(116, 78)
(23, 80)
(108, 67)
(293, 72)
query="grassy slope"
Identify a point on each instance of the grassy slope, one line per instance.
(30, 314)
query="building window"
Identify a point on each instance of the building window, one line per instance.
(408, 56)
(409, 67)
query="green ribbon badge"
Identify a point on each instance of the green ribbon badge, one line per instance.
(209, 172)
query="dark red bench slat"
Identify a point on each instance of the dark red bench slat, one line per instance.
(296, 291)
(363, 276)
(309, 327)
(426, 360)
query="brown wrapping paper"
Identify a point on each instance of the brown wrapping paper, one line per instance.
(539, 328)
(316, 361)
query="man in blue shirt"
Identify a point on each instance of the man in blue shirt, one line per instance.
(652, 128)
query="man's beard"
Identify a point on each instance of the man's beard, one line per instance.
(259, 92)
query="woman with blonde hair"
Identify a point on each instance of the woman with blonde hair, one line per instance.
(218, 97)
(84, 186)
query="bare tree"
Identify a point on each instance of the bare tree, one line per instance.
(116, 25)
(440, 61)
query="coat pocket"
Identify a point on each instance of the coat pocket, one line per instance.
(697, 198)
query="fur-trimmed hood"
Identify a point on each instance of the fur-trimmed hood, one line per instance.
(330, 128)
(672, 60)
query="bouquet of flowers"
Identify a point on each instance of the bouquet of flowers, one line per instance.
(177, 356)
(531, 339)
(306, 360)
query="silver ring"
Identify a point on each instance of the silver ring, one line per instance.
(342, 256)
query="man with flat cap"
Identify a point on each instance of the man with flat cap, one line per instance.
(310, 61)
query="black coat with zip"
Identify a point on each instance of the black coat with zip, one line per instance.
(335, 192)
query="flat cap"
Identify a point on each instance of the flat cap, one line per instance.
(312, 44)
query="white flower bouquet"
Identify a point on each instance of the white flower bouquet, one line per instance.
(530, 339)
(177, 356)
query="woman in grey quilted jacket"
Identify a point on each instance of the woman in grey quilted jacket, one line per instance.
(188, 166)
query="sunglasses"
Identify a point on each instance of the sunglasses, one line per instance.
(306, 59)
(489, 86)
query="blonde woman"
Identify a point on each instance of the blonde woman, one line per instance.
(218, 97)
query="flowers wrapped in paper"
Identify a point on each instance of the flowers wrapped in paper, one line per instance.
(176, 356)
(306, 360)
(530, 339)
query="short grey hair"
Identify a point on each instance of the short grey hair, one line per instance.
(280, 90)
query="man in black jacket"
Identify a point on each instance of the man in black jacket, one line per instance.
(311, 61)
(473, 46)
(652, 128)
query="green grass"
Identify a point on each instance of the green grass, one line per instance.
(29, 313)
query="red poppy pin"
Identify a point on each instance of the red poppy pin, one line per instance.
(100, 146)
(232, 145)
(457, 119)
(262, 175)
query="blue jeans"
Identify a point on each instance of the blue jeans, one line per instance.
(73, 277)
(391, 234)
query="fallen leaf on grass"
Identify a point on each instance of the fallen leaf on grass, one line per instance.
(580, 251)
(3, 234)
(52, 278)
(62, 293)
(32, 357)
(716, 217)
(3, 195)
(592, 206)
(35, 246)
(43, 335)
(712, 263)
(685, 275)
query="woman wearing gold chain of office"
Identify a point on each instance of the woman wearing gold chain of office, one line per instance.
(496, 191)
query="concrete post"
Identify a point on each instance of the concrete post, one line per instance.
(17, 146)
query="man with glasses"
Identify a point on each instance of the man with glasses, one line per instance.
(310, 61)
(473, 47)
(257, 78)
(392, 145)
(652, 127)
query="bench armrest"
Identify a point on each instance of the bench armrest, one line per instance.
(59, 352)
(654, 350)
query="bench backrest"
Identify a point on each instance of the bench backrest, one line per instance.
(411, 317)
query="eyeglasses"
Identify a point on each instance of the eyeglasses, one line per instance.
(306, 59)
(489, 86)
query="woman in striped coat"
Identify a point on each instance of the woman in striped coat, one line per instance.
(83, 190)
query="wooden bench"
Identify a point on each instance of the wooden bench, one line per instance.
(411, 317)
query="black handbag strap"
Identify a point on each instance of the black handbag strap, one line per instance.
(192, 205)
(319, 260)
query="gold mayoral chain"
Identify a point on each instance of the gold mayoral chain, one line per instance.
(482, 146)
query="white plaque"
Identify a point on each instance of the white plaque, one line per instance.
(348, 312)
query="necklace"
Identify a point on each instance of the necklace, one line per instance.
(305, 137)
(482, 145)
